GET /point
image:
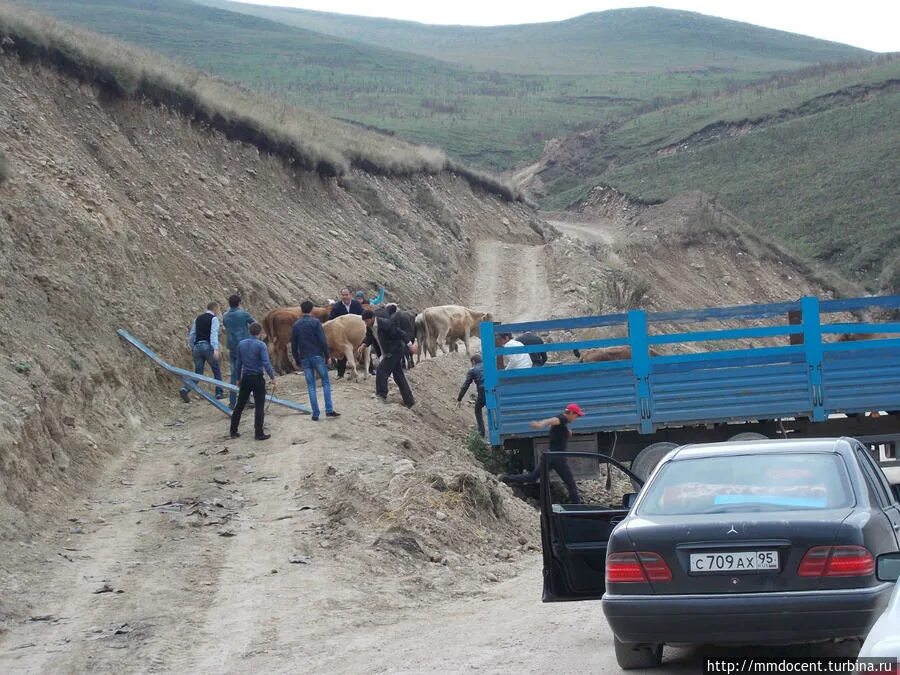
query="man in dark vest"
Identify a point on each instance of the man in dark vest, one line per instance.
(237, 322)
(203, 341)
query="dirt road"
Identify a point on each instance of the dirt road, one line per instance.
(340, 546)
(512, 282)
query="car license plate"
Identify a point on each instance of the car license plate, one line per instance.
(734, 561)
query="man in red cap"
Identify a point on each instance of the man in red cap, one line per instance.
(559, 439)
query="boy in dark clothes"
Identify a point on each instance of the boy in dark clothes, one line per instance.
(476, 375)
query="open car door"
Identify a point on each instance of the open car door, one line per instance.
(574, 536)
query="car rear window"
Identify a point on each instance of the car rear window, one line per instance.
(748, 484)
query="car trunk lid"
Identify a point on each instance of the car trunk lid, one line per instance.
(736, 552)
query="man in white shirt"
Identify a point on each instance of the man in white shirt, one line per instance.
(513, 361)
(203, 340)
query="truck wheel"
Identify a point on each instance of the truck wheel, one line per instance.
(630, 655)
(749, 436)
(649, 457)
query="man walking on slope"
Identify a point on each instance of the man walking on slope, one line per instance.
(476, 375)
(392, 339)
(237, 322)
(559, 440)
(203, 341)
(252, 360)
(310, 348)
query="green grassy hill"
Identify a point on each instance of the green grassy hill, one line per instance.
(612, 64)
(646, 39)
(662, 101)
(811, 161)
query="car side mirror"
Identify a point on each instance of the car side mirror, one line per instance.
(628, 499)
(887, 567)
(895, 488)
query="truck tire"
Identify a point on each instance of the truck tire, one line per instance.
(630, 656)
(749, 436)
(649, 457)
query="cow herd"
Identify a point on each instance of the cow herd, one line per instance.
(434, 328)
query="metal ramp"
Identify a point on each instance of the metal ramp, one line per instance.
(190, 379)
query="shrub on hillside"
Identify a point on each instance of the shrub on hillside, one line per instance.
(890, 278)
(620, 291)
(4, 168)
(492, 459)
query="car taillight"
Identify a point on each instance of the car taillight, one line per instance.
(640, 567)
(836, 561)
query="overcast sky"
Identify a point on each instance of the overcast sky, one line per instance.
(871, 24)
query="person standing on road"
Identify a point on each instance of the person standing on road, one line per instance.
(392, 339)
(476, 375)
(252, 363)
(559, 440)
(237, 323)
(203, 341)
(310, 348)
(514, 361)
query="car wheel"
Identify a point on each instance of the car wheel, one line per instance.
(649, 457)
(630, 655)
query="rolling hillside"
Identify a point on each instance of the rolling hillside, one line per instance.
(650, 101)
(647, 39)
(518, 87)
(810, 160)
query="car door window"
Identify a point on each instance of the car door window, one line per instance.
(881, 479)
(882, 495)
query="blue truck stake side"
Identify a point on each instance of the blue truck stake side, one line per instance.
(815, 376)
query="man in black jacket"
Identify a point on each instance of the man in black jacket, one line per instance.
(392, 339)
(476, 375)
(346, 305)
(530, 339)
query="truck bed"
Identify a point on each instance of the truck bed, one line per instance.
(802, 373)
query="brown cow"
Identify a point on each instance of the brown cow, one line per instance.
(345, 334)
(620, 353)
(277, 326)
(444, 325)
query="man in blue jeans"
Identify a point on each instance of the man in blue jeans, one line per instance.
(203, 340)
(310, 349)
(237, 322)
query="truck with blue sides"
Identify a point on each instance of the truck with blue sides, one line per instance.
(814, 368)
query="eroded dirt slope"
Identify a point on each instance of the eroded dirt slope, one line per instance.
(118, 214)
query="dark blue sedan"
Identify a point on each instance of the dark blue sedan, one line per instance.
(738, 543)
